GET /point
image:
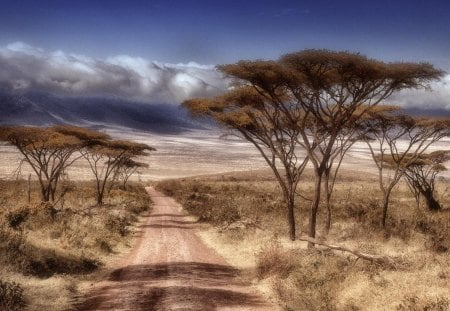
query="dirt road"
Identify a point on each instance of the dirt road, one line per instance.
(170, 268)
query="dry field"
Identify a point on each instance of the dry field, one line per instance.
(251, 233)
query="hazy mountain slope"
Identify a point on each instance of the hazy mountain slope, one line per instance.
(47, 109)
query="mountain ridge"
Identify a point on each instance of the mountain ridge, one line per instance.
(43, 109)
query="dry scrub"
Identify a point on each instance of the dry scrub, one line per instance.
(47, 250)
(249, 217)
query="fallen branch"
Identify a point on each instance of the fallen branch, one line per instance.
(386, 260)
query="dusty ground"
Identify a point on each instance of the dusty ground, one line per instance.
(170, 268)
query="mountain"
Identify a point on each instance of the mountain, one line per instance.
(42, 109)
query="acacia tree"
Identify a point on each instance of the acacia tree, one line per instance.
(105, 156)
(126, 168)
(309, 97)
(263, 118)
(396, 142)
(421, 175)
(337, 89)
(49, 151)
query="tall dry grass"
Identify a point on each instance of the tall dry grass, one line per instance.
(46, 250)
(320, 279)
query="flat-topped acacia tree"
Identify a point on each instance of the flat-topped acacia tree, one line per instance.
(105, 157)
(267, 124)
(421, 176)
(397, 142)
(49, 151)
(306, 99)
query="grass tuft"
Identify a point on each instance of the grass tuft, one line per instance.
(11, 296)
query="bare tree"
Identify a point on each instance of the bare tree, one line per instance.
(396, 142)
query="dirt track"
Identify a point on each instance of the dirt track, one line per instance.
(170, 268)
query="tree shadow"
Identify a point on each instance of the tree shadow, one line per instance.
(190, 286)
(177, 224)
(166, 215)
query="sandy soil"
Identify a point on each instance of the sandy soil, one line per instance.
(170, 268)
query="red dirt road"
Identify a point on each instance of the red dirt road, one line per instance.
(170, 268)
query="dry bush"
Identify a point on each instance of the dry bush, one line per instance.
(274, 260)
(117, 224)
(436, 227)
(424, 303)
(304, 279)
(11, 296)
(224, 202)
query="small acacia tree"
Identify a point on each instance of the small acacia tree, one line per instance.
(421, 175)
(49, 151)
(105, 158)
(396, 142)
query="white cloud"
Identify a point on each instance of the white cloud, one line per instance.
(23, 67)
(437, 97)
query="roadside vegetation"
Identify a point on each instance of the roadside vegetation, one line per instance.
(47, 251)
(57, 234)
(246, 210)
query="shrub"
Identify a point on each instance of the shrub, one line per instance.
(274, 260)
(436, 228)
(117, 224)
(16, 217)
(415, 303)
(51, 264)
(11, 296)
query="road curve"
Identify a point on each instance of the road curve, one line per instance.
(170, 268)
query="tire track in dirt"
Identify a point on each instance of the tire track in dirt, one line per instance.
(170, 268)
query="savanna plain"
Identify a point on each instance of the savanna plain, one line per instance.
(50, 255)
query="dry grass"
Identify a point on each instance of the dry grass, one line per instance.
(49, 249)
(251, 233)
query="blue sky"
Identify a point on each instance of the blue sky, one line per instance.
(165, 50)
(212, 32)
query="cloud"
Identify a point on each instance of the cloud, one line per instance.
(437, 97)
(24, 67)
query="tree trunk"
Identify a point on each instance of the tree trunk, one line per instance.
(432, 203)
(314, 209)
(328, 219)
(385, 209)
(327, 203)
(291, 216)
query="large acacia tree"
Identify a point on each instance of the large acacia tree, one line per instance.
(266, 122)
(311, 97)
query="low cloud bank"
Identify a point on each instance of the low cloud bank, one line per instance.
(27, 68)
(23, 67)
(438, 97)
